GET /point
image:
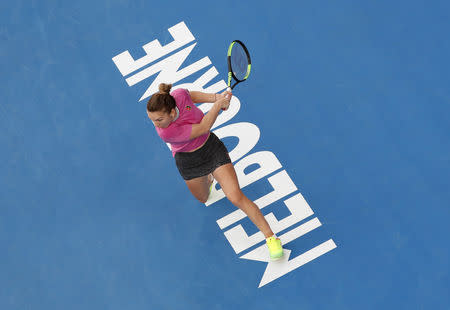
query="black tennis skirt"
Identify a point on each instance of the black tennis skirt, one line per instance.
(203, 161)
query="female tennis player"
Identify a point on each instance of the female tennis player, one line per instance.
(199, 154)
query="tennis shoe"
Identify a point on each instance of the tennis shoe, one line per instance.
(275, 248)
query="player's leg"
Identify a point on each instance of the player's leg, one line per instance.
(200, 187)
(226, 177)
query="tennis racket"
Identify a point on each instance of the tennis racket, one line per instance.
(239, 63)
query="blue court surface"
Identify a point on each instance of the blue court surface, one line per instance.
(340, 135)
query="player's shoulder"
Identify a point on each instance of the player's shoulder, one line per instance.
(180, 92)
(165, 133)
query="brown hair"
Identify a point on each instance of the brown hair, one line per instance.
(162, 101)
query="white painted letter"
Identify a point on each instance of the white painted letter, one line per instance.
(267, 162)
(181, 36)
(282, 186)
(277, 269)
(300, 210)
(247, 133)
(168, 68)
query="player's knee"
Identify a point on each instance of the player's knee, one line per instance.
(202, 198)
(236, 197)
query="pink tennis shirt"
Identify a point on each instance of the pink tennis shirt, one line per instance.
(179, 131)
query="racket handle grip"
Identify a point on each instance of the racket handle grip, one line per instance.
(228, 89)
(228, 97)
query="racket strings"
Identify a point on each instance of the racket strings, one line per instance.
(239, 62)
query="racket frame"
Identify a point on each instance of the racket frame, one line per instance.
(230, 69)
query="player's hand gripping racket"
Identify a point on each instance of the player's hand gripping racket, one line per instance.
(239, 63)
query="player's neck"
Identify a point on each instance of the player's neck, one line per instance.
(178, 114)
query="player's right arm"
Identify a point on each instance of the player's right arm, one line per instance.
(208, 120)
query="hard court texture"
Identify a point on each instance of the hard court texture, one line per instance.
(348, 100)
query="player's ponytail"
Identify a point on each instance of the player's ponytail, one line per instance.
(162, 101)
(165, 88)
